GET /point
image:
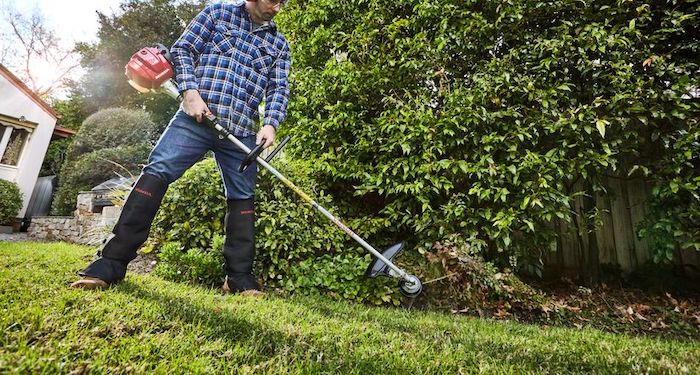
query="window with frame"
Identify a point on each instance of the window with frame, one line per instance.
(12, 142)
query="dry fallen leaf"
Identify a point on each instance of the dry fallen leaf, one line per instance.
(649, 61)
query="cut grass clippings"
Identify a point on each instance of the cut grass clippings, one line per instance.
(146, 324)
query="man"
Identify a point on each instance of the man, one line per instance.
(229, 58)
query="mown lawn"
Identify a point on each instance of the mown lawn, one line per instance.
(147, 325)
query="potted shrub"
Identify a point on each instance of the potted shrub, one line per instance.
(10, 203)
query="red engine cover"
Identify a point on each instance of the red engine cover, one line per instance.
(148, 68)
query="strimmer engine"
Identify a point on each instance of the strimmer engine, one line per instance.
(151, 70)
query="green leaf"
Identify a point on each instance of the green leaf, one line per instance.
(600, 125)
(530, 225)
(525, 203)
(674, 186)
(512, 169)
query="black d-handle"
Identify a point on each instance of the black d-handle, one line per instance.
(254, 153)
(210, 120)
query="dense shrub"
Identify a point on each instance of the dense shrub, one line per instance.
(192, 212)
(110, 143)
(487, 119)
(94, 168)
(197, 266)
(298, 249)
(674, 214)
(10, 201)
(113, 127)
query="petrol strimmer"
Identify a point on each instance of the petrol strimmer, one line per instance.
(151, 70)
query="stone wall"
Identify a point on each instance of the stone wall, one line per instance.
(85, 227)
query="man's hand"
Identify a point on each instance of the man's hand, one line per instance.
(193, 104)
(268, 133)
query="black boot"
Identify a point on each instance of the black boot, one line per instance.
(130, 232)
(239, 247)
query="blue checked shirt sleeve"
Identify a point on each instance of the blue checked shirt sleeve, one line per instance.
(277, 92)
(188, 47)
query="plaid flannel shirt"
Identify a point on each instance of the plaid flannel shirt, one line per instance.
(233, 65)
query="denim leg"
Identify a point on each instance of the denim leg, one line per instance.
(183, 143)
(238, 186)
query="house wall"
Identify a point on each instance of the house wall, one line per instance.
(15, 103)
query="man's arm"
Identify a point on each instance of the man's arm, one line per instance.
(185, 52)
(276, 96)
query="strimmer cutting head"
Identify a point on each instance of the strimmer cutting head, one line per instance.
(409, 285)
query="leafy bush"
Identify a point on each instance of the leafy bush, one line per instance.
(339, 276)
(192, 212)
(298, 249)
(111, 142)
(674, 215)
(10, 201)
(192, 265)
(113, 127)
(94, 168)
(488, 119)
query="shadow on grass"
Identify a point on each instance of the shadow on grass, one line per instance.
(408, 326)
(265, 342)
(372, 341)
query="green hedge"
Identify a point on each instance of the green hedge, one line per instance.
(10, 201)
(113, 127)
(487, 119)
(112, 142)
(298, 249)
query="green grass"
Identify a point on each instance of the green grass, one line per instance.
(146, 325)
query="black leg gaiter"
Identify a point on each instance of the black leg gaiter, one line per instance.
(239, 247)
(131, 230)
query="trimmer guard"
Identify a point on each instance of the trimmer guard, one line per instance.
(377, 267)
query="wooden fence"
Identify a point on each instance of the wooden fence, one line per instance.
(622, 208)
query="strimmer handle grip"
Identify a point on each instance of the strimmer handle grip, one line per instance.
(210, 120)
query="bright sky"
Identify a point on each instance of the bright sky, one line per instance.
(72, 20)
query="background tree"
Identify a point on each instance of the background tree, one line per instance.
(72, 114)
(140, 23)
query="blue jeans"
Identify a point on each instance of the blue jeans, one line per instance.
(185, 141)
